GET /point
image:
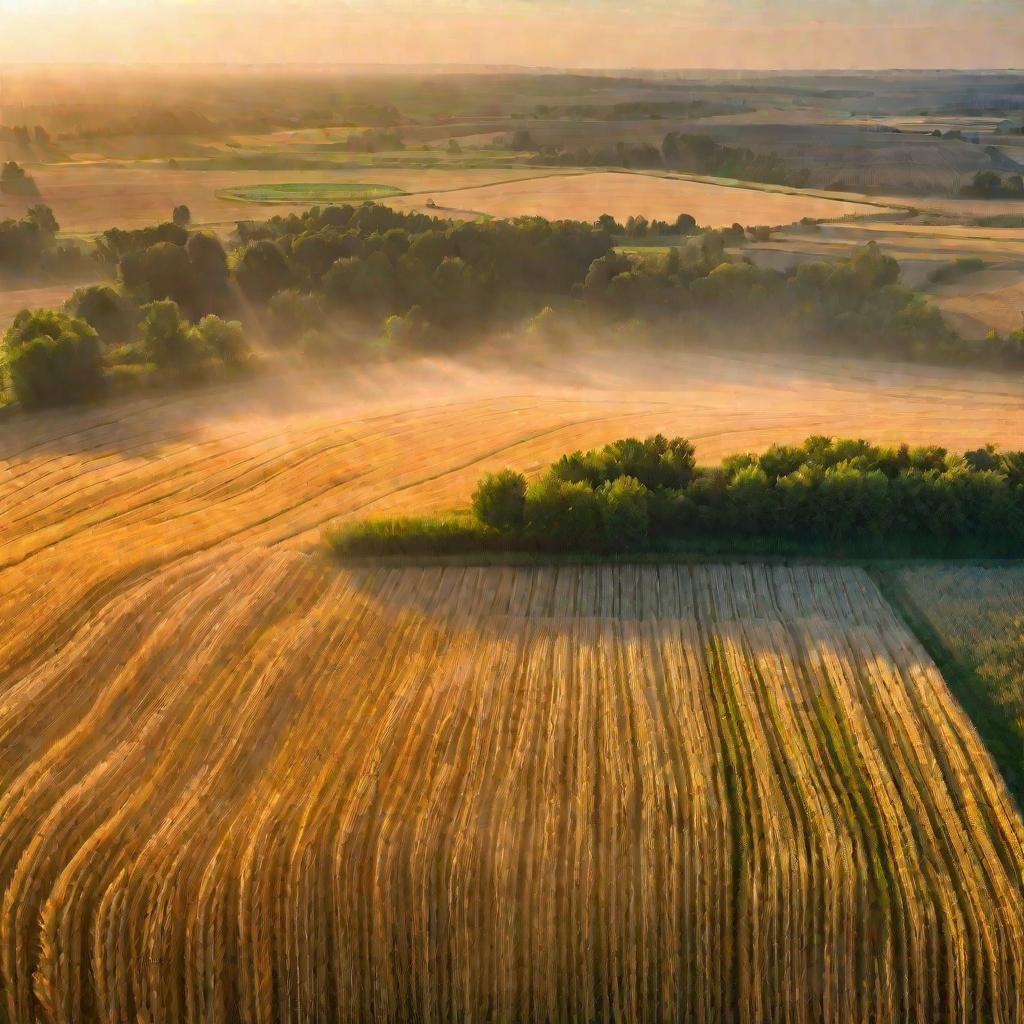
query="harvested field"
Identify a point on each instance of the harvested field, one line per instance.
(254, 788)
(587, 196)
(975, 618)
(50, 296)
(990, 299)
(92, 198)
(98, 497)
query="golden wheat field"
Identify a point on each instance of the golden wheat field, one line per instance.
(97, 496)
(91, 198)
(241, 783)
(622, 194)
(257, 789)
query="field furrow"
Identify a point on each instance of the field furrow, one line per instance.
(259, 788)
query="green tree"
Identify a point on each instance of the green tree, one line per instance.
(522, 140)
(167, 340)
(625, 514)
(224, 339)
(42, 217)
(262, 270)
(53, 358)
(499, 500)
(159, 272)
(108, 312)
(210, 275)
(562, 515)
(987, 183)
(15, 181)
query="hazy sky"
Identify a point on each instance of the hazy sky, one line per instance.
(573, 33)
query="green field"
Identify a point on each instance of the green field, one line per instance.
(304, 193)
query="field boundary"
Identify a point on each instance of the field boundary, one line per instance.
(999, 738)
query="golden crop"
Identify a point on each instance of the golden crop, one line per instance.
(239, 783)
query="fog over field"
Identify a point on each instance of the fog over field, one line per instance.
(511, 511)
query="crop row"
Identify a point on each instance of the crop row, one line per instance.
(257, 789)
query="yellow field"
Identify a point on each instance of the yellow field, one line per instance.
(238, 783)
(92, 495)
(982, 301)
(253, 789)
(51, 296)
(93, 198)
(587, 196)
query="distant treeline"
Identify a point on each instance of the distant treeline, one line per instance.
(340, 282)
(16, 181)
(29, 249)
(635, 110)
(989, 185)
(828, 495)
(433, 283)
(694, 154)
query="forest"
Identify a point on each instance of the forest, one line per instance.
(321, 283)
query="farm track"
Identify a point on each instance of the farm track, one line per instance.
(257, 788)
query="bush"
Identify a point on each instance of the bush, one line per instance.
(625, 515)
(499, 500)
(413, 535)
(133, 376)
(955, 269)
(223, 339)
(562, 516)
(111, 315)
(53, 358)
(167, 339)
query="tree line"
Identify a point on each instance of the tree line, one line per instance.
(320, 280)
(990, 185)
(429, 283)
(679, 151)
(29, 249)
(829, 495)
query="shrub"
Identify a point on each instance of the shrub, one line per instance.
(224, 339)
(562, 515)
(133, 376)
(625, 515)
(955, 269)
(167, 339)
(499, 500)
(412, 535)
(111, 315)
(53, 358)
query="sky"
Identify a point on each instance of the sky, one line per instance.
(785, 34)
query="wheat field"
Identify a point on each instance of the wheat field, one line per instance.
(238, 783)
(623, 194)
(256, 789)
(94, 498)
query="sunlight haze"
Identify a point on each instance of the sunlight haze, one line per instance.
(586, 33)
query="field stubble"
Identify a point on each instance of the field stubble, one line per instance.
(236, 783)
(254, 788)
